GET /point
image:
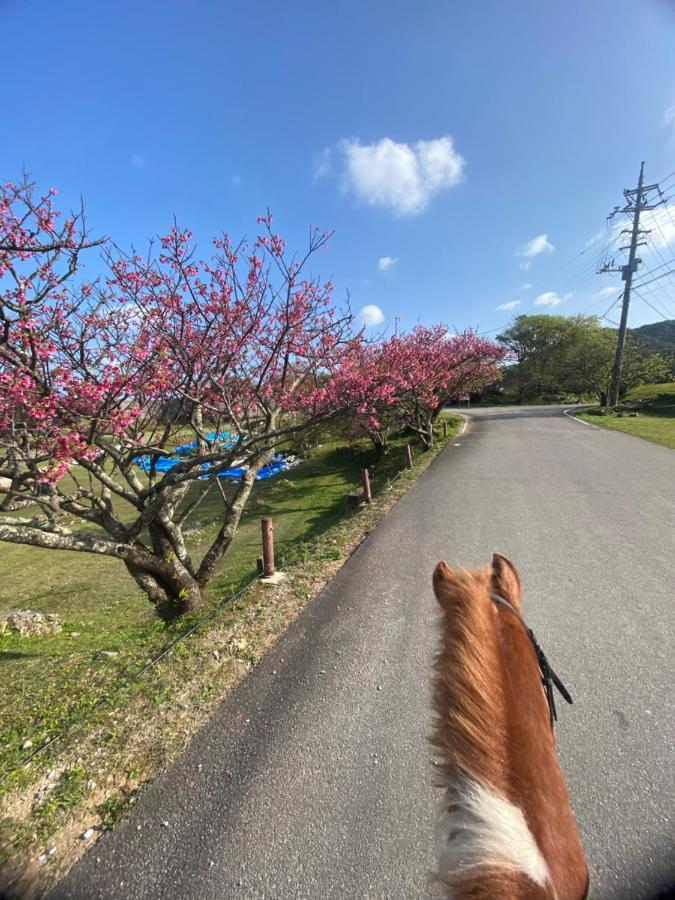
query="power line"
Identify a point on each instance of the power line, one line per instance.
(644, 300)
(662, 301)
(583, 271)
(663, 181)
(658, 277)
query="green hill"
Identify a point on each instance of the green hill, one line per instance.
(659, 337)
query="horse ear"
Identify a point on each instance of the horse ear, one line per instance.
(505, 579)
(443, 579)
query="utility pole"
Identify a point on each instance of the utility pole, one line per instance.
(636, 203)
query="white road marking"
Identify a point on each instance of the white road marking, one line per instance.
(590, 424)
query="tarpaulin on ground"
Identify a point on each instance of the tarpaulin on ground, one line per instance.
(280, 463)
(223, 437)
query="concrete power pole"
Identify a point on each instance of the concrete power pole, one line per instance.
(636, 203)
(627, 276)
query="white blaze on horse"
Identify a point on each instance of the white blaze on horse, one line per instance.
(507, 829)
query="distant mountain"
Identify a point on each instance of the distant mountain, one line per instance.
(659, 337)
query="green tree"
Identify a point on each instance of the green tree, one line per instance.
(574, 354)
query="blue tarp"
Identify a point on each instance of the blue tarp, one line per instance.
(163, 464)
(278, 464)
(221, 437)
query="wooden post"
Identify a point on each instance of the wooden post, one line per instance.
(445, 429)
(268, 547)
(408, 456)
(365, 480)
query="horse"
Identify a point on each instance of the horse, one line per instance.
(507, 829)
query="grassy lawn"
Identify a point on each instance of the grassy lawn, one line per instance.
(109, 628)
(114, 729)
(655, 420)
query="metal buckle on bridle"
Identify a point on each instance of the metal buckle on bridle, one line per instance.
(548, 675)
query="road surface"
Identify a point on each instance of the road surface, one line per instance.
(312, 780)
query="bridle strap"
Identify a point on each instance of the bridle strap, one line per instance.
(548, 676)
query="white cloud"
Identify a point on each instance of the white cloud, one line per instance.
(386, 262)
(401, 177)
(511, 305)
(371, 315)
(607, 292)
(322, 165)
(137, 160)
(538, 244)
(550, 298)
(525, 287)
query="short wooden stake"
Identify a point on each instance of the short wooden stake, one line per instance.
(408, 456)
(445, 429)
(365, 480)
(268, 547)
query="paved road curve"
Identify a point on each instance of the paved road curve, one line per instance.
(315, 781)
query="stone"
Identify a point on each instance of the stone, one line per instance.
(27, 623)
(87, 834)
(277, 578)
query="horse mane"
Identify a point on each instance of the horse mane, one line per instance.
(470, 728)
(508, 830)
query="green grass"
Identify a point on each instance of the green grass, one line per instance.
(50, 683)
(656, 414)
(657, 394)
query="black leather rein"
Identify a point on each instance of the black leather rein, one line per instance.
(548, 676)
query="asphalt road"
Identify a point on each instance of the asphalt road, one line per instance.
(313, 780)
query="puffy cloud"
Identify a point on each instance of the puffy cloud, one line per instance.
(538, 244)
(371, 315)
(511, 305)
(401, 177)
(550, 298)
(386, 262)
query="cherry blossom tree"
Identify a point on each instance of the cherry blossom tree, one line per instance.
(406, 381)
(99, 382)
(438, 367)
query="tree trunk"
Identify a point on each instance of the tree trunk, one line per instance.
(427, 436)
(225, 536)
(380, 443)
(169, 586)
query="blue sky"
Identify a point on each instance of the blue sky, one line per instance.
(450, 138)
